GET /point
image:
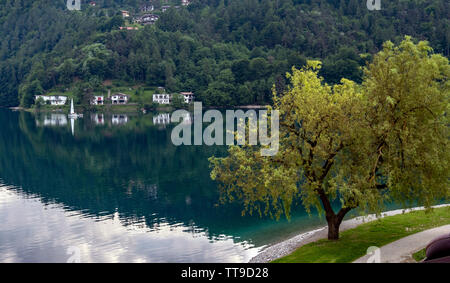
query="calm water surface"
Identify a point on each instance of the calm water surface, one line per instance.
(116, 189)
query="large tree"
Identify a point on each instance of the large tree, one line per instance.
(386, 139)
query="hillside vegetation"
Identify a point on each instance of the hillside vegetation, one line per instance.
(229, 52)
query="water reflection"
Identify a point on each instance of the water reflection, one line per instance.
(39, 232)
(98, 118)
(121, 191)
(51, 119)
(119, 119)
(164, 119)
(161, 119)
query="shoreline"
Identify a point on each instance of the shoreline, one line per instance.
(286, 247)
(130, 107)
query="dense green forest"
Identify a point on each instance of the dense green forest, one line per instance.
(229, 52)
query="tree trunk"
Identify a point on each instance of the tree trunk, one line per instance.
(333, 228)
(334, 220)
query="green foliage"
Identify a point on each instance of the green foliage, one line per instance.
(178, 101)
(420, 255)
(191, 47)
(28, 93)
(360, 144)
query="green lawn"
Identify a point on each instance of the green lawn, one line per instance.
(138, 93)
(354, 242)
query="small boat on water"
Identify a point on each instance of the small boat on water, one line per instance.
(72, 114)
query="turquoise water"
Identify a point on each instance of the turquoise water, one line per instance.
(116, 189)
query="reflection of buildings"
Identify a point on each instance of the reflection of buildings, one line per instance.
(161, 119)
(99, 119)
(188, 119)
(185, 2)
(119, 119)
(53, 119)
(53, 99)
(164, 119)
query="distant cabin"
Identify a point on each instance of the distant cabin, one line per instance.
(92, 3)
(147, 8)
(165, 8)
(162, 98)
(185, 2)
(161, 119)
(147, 19)
(119, 98)
(125, 14)
(98, 100)
(188, 97)
(55, 100)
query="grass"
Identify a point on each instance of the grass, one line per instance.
(139, 94)
(420, 255)
(353, 243)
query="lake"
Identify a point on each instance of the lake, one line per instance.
(113, 188)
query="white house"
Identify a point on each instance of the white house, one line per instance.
(188, 97)
(98, 100)
(119, 98)
(125, 14)
(185, 2)
(53, 99)
(147, 19)
(162, 98)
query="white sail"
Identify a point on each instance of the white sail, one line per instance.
(72, 111)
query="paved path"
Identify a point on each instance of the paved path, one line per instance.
(288, 246)
(401, 250)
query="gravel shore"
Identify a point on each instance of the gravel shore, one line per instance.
(288, 246)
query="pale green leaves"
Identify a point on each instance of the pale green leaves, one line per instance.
(363, 144)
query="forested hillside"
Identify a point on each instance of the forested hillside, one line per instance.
(229, 52)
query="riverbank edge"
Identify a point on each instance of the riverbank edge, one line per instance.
(288, 246)
(129, 108)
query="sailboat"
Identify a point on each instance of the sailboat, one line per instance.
(72, 114)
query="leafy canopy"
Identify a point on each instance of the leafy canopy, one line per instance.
(362, 144)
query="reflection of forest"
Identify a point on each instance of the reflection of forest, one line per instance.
(134, 169)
